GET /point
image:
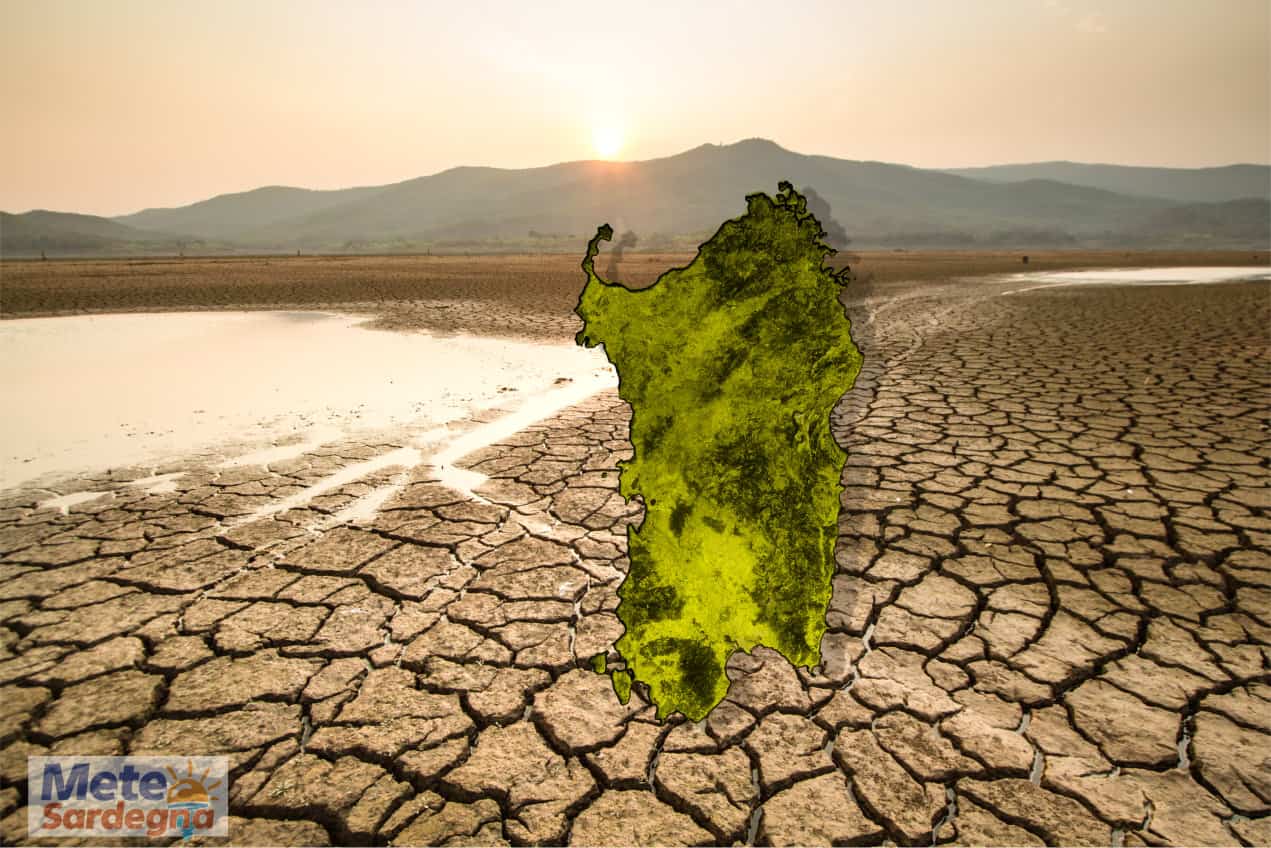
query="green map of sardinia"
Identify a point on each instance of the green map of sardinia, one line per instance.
(731, 366)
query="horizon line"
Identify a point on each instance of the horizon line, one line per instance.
(620, 162)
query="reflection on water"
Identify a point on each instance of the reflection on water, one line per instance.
(1135, 277)
(90, 393)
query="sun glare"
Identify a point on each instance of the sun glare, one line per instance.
(607, 141)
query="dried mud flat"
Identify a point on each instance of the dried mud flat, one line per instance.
(525, 296)
(1051, 621)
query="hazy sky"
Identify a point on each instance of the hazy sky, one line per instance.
(111, 106)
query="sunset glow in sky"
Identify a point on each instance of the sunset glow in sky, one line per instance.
(115, 106)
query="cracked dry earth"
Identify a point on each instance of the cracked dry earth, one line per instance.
(1050, 622)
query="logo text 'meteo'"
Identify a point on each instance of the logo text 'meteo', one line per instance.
(151, 797)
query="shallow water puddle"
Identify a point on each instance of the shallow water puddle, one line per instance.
(97, 392)
(535, 409)
(438, 448)
(1136, 277)
(400, 458)
(63, 503)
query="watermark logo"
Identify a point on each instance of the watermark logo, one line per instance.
(151, 797)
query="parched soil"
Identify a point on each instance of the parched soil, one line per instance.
(524, 296)
(1051, 621)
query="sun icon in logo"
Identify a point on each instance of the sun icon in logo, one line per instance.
(190, 793)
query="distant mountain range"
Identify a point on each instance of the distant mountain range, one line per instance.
(1181, 185)
(675, 201)
(68, 233)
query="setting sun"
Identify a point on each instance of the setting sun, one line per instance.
(606, 140)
